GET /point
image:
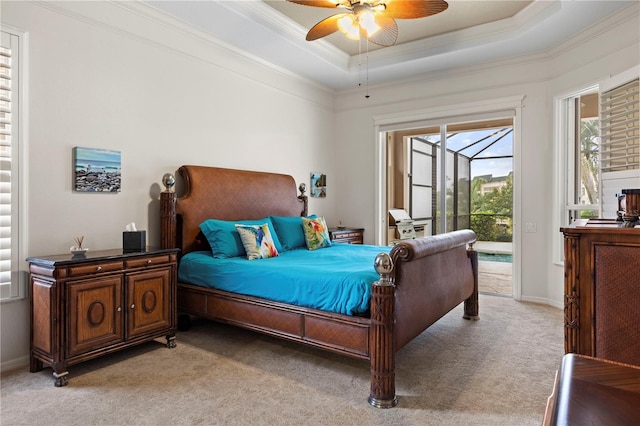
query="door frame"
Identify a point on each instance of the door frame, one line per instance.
(473, 111)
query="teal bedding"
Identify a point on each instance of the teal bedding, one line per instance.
(335, 279)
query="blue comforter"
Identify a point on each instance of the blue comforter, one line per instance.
(335, 279)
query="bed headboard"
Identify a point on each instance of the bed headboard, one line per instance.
(226, 194)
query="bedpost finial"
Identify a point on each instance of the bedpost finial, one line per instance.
(383, 266)
(168, 180)
(302, 188)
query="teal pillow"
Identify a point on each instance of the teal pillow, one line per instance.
(290, 231)
(224, 239)
(257, 241)
(316, 233)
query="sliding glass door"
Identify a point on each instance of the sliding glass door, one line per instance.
(472, 186)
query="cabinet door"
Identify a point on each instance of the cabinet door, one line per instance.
(95, 314)
(616, 294)
(44, 336)
(148, 301)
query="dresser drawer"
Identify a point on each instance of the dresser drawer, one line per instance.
(347, 235)
(147, 261)
(96, 268)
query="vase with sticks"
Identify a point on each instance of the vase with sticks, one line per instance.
(78, 250)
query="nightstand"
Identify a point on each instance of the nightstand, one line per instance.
(86, 306)
(346, 235)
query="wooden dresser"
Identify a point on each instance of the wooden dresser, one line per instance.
(346, 235)
(591, 391)
(602, 290)
(88, 306)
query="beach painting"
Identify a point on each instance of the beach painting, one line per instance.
(96, 170)
(318, 185)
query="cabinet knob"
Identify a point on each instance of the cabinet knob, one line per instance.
(119, 309)
(149, 262)
(99, 268)
(133, 306)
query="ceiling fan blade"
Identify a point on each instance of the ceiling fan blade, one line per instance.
(387, 35)
(325, 27)
(318, 3)
(412, 9)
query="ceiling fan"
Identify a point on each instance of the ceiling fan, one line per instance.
(374, 20)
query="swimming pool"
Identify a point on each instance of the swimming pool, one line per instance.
(498, 257)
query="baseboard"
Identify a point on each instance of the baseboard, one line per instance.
(543, 301)
(14, 364)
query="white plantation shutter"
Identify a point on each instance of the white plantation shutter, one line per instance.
(9, 261)
(620, 128)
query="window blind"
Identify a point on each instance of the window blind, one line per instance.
(620, 128)
(8, 233)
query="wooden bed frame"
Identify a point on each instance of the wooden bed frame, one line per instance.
(420, 280)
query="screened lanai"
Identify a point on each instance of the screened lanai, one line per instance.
(475, 186)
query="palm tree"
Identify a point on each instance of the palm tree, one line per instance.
(589, 157)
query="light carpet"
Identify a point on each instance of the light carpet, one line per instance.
(495, 371)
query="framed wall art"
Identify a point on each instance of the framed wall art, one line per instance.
(96, 170)
(318, 185)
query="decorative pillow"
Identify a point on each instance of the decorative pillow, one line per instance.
(290, 231)
(257, 241)
(224, 239)
(316, 234)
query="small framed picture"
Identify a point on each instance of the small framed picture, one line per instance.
(96, 170)
(318, 185)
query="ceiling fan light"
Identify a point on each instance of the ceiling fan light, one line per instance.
(345, 23)
(368, 22)
(348, 26)
(354, 33)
